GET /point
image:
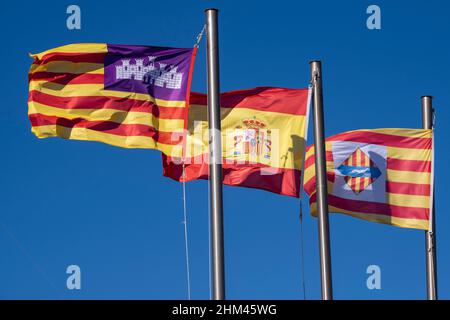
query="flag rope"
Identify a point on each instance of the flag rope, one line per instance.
(26, 253)
(310, 88)
(200, 36)
(186, 246)
(302, 252)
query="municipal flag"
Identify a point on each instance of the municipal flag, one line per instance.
(380, 175)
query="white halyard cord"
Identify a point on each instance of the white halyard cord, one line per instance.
(33, 261)
(308, 108)
(200, 36)
(186, 246)
(302, 250)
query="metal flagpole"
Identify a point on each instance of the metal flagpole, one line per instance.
(215, 156)
(321, 182)
(430, 235)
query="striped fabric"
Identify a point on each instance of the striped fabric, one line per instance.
(263, 139)
(126, 96)
(380, 175)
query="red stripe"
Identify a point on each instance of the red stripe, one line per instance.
(382, 139)
(310, 159)
(409, 165)
(290, 101)
(352, 183)
(119, 129)
(68, 78)
(97, 57)
(375, 208)
(363, 164)
(284, 181)
(364, 160)
(310, 186)
(105, 102)
(408, 188)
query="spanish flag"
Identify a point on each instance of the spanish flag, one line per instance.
(263, 139)
(380, 175)
(126, 96)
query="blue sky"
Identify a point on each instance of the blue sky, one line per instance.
(110, 210)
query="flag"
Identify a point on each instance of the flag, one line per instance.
(380, 175)
(263, 139)
(126, 96)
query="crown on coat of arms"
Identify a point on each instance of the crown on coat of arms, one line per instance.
(253, 123)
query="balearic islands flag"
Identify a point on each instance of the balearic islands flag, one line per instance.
(263, 139)
(127, 96)
(380, 175)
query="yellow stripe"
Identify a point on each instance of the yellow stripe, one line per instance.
(357, 181)
(409, 154)
(75, 48)
(115, 140)
(118, 116)
(366, 183)
(76, 90)
(309, 173)
(309, 152)
(402, 132)
(395, 221)
(68, 67)
(406, 200)
(408, 176)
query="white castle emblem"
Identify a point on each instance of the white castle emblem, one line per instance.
(162, 76)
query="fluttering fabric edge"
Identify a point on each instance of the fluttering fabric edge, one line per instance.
(134, 133)
(281, 180)
(406, 203)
